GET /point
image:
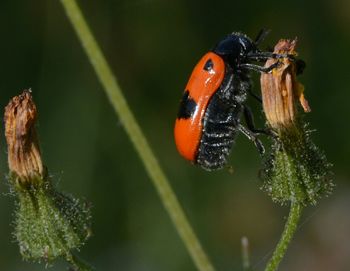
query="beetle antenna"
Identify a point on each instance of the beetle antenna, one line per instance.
(261, 36)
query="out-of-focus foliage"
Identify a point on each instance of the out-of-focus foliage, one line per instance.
(152, 47)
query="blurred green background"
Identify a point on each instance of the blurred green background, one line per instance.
(152, 46)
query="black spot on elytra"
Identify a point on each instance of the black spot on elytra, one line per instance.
(208, 65)
(187, 106)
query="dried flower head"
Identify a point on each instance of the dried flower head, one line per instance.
(280, 89)
(23, 149)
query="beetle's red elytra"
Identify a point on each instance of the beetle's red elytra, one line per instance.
(205, 79)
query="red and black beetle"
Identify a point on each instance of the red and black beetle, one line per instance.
(214, 101)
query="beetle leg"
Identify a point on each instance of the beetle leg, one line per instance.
(249, 119)
(251, 132)
(255, 96)
(263, 56)
(252, 136)
(260, 68)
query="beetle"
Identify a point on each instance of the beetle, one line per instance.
(209, 117)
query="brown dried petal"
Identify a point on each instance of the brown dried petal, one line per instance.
(23, 149)
(280, 89)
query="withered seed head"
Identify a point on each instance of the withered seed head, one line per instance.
(23, 149)
(280, 89)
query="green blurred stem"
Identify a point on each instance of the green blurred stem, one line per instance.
(245, 253)
(288, 232)
(132, 128)
(78, 264)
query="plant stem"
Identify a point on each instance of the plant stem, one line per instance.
(134, 132)
(245, 253)
(78, 264)
(288, 232)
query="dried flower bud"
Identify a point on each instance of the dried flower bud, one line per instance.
(296, 170)
(280, 89)
(23, 150)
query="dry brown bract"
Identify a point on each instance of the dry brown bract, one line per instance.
(23, 150)
(280, 88)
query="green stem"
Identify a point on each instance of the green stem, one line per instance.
(245, 253)
(288, 232)
(132, 128)
(78, 264)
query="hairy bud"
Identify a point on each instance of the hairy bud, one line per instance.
(48, 224)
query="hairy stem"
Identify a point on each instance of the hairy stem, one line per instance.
(288, 232)
(132, 128)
